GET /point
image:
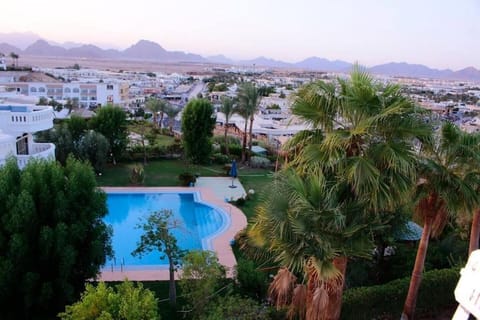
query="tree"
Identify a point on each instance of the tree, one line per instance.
(77, 126)
(124, 301)
(442, 190)
(111, 122)
(52, 236)
(228, 108)
(310, 230)
(93, 147)
(157, 236)
(157, 106)
(248, 102)
(64, 144)
(201, 276)
(43, 101)
(14, 57)
(171, 112)
(198, 122)
(362, 144)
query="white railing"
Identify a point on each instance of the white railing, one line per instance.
(28, 121)
(39, 151)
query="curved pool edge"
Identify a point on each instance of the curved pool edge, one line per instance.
(220, 243)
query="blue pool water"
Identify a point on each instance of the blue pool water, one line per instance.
(197, 222)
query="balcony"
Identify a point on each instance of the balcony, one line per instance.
(17, 119)
(39, 151)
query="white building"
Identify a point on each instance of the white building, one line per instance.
(18, 123)
(3, 63)
(87, 94)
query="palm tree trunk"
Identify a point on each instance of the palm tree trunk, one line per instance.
(172, 290)
(161, 120)
(411, 299)
(474, 232)
(250, 135)
(334, 306)
(244, 144)
(335, 290)
(226, 142)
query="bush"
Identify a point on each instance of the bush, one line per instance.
(251, 281)
(187, 178)
(386, 301)
(137, 175)
(259, 162)
(233, 149)
(219, 158)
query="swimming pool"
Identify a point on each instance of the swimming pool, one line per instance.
(198, 224)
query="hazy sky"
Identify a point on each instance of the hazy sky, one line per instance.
(437, 33)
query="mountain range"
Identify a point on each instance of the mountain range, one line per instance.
(148, 50)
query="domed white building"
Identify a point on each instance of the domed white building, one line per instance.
(18, 124)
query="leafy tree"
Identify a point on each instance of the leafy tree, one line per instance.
(157, 105)
(201, 276)
(77, 127)
(42, 101)
(248, 103)
(124, 302)
(157, 236)
(198, 122)
(64, 144)
(52, 236)
(228, 108)
(111, 121)
(442, 190)
(93, 147)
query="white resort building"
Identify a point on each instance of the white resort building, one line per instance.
(18, 124)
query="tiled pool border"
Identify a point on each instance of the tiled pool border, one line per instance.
(220, 241)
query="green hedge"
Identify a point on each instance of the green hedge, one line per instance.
(386, 301)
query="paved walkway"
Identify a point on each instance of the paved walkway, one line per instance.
(221, 187)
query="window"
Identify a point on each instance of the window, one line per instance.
(84, 91)
(76, 90)
(109, 86)
(67, 90)
(33, 89)
(41, 89)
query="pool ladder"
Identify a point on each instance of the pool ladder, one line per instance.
(122, 264)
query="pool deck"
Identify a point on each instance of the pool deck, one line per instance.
(220, 244)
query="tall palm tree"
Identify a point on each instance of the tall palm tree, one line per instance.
(363, 134)
(14, 57)
(171, 112)
(310, 229)
(157, 106)
(443, 189)
(248, 103)
(227, 108)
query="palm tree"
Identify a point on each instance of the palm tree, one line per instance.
(171, 112)
(157, 105)
(310, 229)
(362, 141)
(227, 108)
(248, 99)
(14, 57)
(443, 189)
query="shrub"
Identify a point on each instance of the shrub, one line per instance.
(251, 281)
(259, 162)
(386, 301)
(219, 158)
(186, 178)
(137, 175)
(233, 149)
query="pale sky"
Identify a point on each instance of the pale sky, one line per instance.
(437, 33)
